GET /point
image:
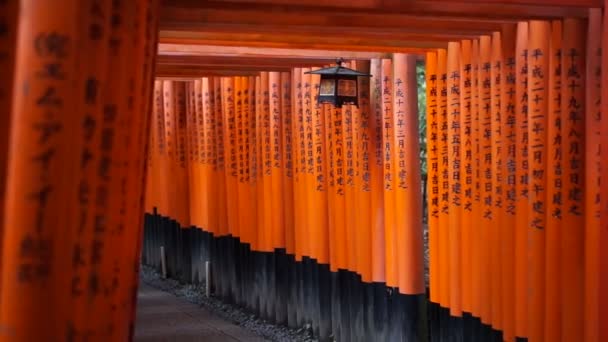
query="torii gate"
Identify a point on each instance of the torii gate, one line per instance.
(201, 115)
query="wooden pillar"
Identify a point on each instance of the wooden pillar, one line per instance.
(485, 169)
(432, 142)
(389, 167)
(377, 175)
(476, 280)
(538, 61)
(593, 134)
(454, 148)
(495, 196)
(554, 200)
(443, 232)
(522, 166)
(603, 238)
(222, 212)
(573, 151)
(508, 154)
(362, 135)
(466, 172)
(8, 19)
(288, 161)
(299, 151)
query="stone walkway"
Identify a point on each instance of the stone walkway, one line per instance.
(164, 317)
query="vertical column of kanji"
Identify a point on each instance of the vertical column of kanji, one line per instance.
(298, 176)
(278, 221)
(9, 11)
(466, 173)
(496, 193)
(318, 199)
(408, 196)
(432, 139)
(230, 154)
(485, 169)
(222, 215)
(476, 274)
(538, 47)
(241, 186)
(350, 230)
(261, 232)
(573, 138)
(253, 157)
(362, 136)
(389, 194)
(509, 140)
(169, 156)
(247, 225)
(554, 186)
(202, 139)
(211, 179)
(110, 231)
(287, 157)
(266, 157)
(90, 76)
(444, 188)
(455, 185)
(182, 183)
(38, 194)
(196, 163)
(377, 176)
(141, 86)
(521, 188)
(592, 174)
(305, 163)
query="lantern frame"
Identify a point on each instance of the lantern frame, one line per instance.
(339, 85)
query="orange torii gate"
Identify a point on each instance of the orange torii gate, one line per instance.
(309, 215)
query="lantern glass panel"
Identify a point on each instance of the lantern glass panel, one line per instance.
(327, 87)
(347, 88)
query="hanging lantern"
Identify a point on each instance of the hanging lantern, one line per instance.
(338, 85)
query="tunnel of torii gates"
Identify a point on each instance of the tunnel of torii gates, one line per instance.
(195, 125)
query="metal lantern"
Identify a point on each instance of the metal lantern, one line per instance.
(338, 85)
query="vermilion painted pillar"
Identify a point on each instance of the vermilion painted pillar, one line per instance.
(573, 150)
(389, 167)
(40, 192)
(278, 222)
(362, 136)
(593, 134)
(377, 175)
(230, 153)
(298, 175)
(554, 213)
(288, 161)
(476, 280)
(454, 170)
(495, 196)
(432, 164)
(408, 197)
(8, 20)
(222, 213)
(253, 160)
(521, 205)
(538, 61)
(466, 171)
(603, 238)
(443, 232)
(508, 154)
(485, 168)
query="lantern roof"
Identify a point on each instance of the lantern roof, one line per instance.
(338, 70)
